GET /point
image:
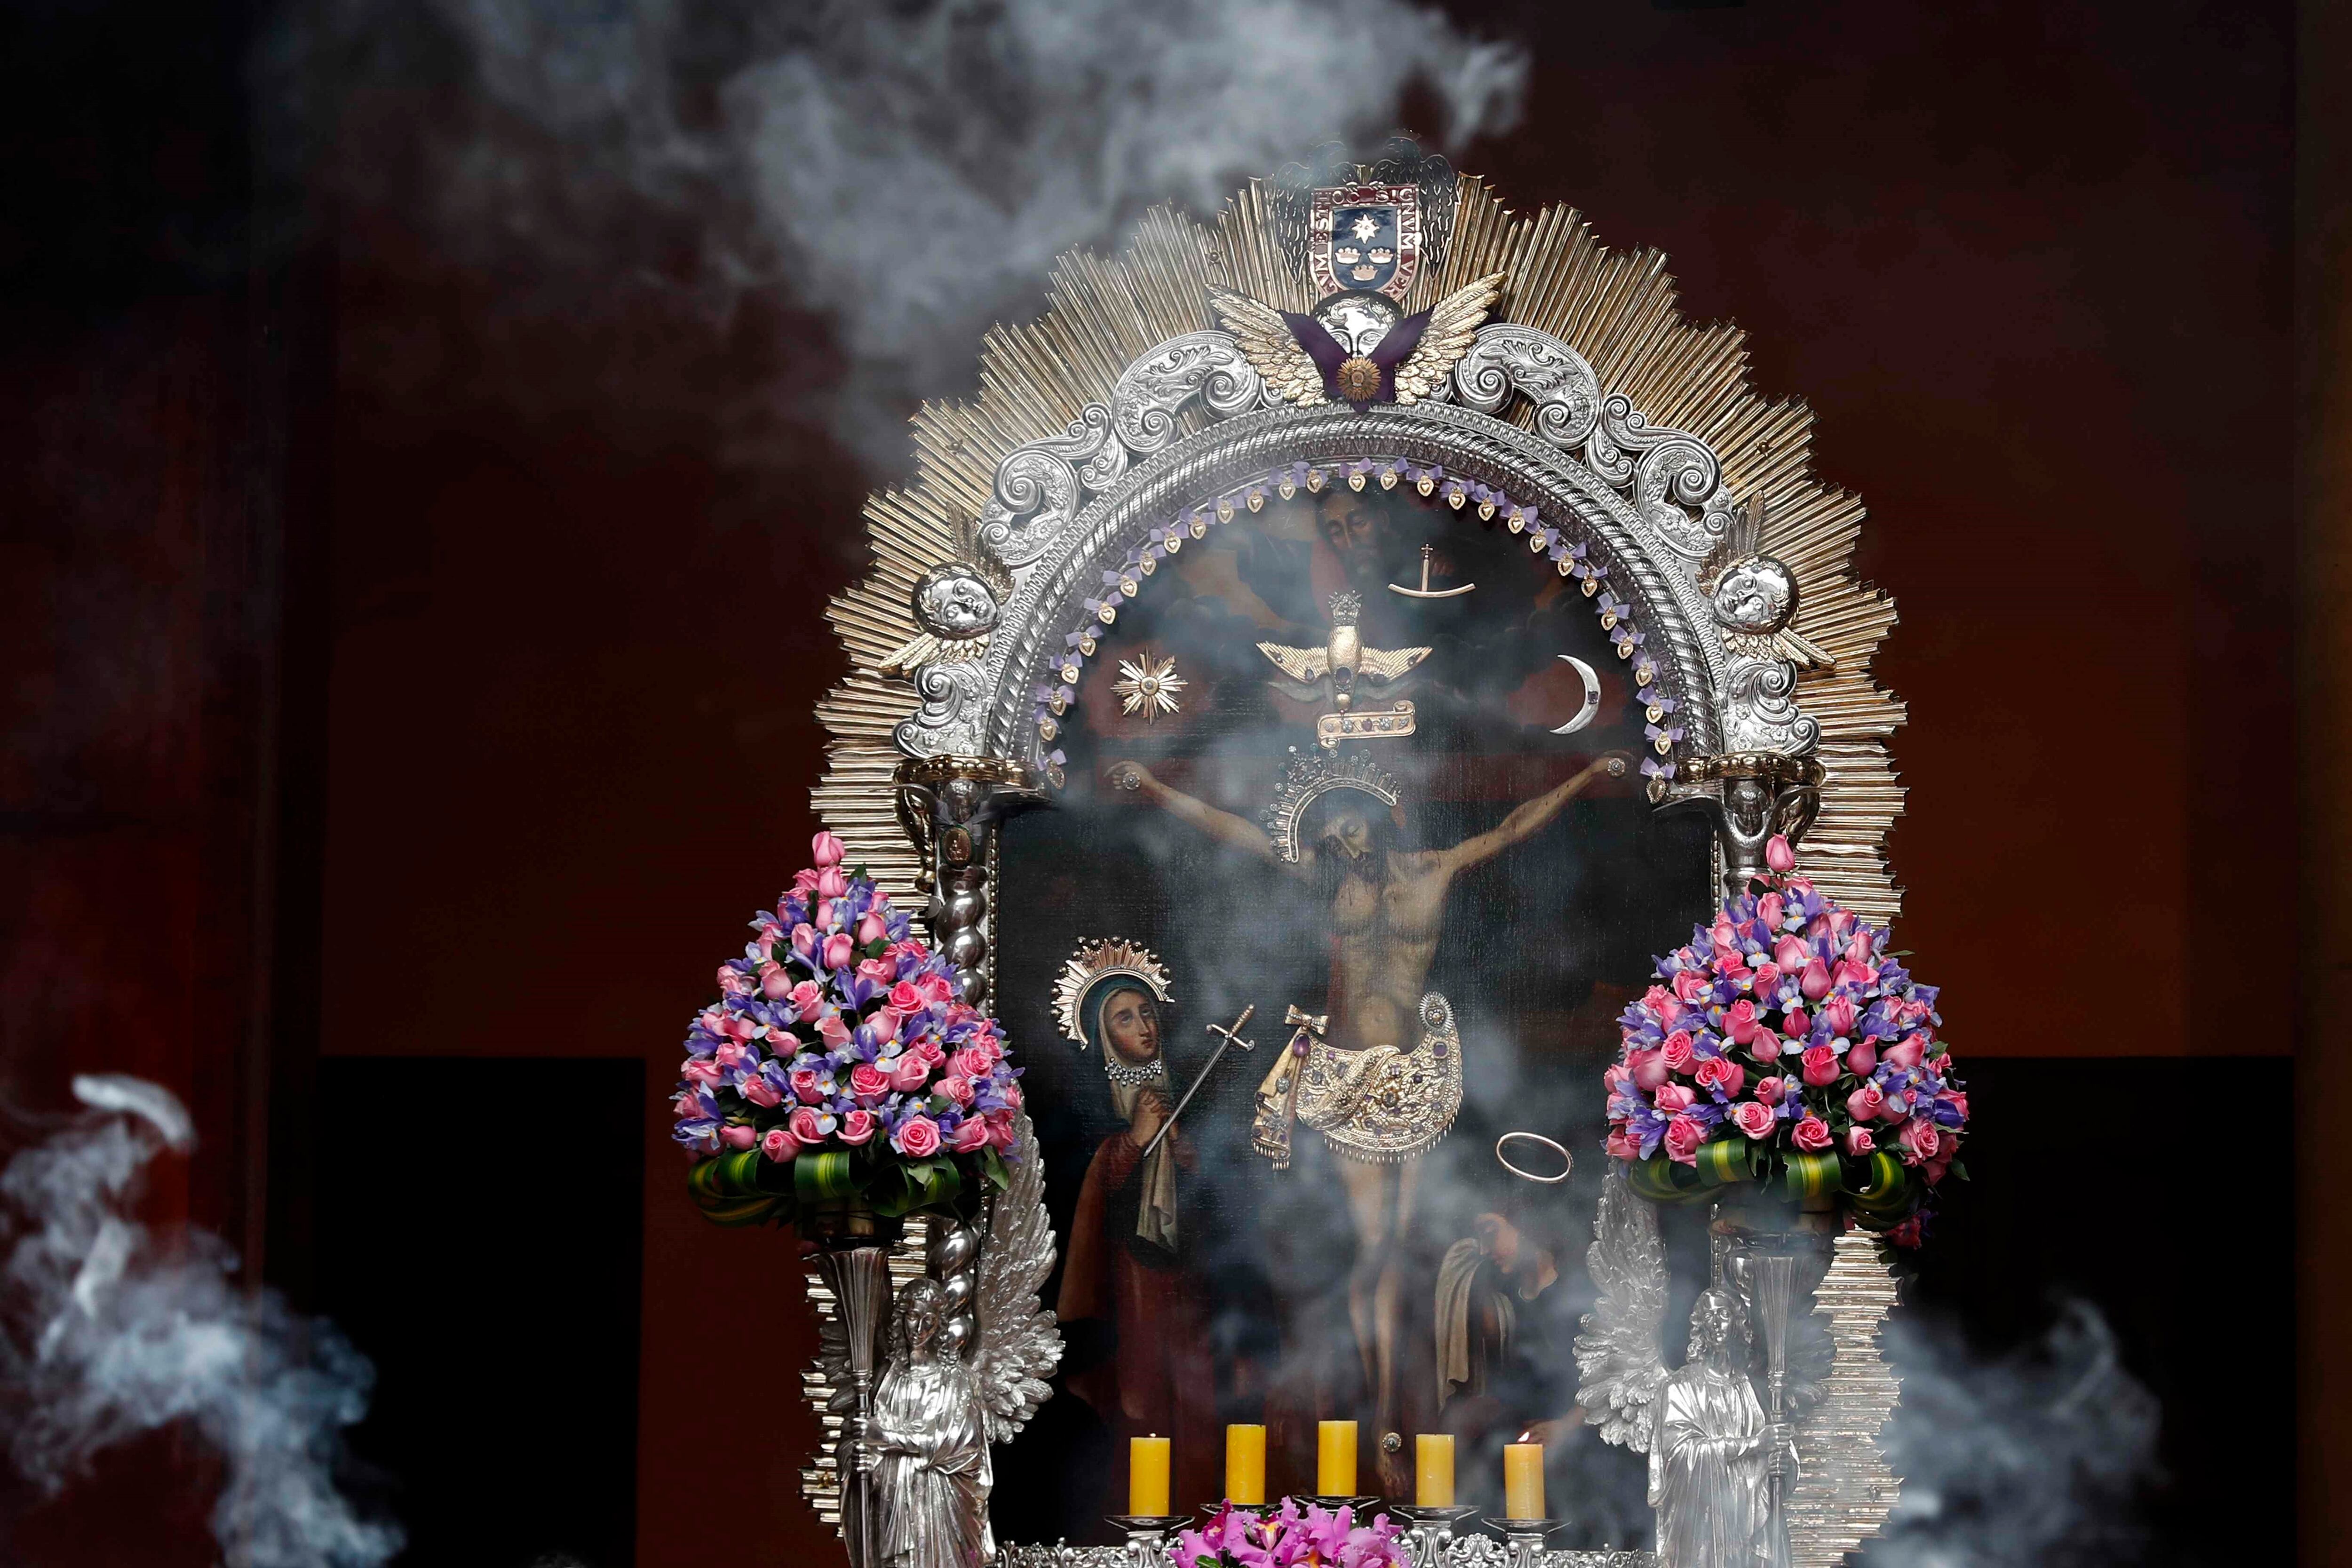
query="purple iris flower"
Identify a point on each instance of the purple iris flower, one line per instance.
(699, 1134)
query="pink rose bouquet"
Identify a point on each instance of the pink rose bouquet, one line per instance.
(841, 1060)
(1786, 1044)
(1292, 1535)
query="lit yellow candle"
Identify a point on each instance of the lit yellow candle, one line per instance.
(1335, 1458)
(1245, 1465)
(1432, 1470)
(1523, 1480)
(1147, 1476)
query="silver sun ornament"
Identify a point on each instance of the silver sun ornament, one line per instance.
(1147, 686)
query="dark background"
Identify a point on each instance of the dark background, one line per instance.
(359, 634)
(497, 1299)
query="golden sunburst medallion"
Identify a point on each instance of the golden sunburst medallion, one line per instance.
(1147, 686)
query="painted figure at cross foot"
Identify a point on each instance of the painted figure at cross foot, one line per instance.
(1381, 1075)
(1505, 1322)
(1125, 1264)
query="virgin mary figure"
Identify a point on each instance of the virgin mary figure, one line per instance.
(1125, 1261)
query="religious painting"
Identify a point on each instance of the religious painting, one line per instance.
(1365, 763)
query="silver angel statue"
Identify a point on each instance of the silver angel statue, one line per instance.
(1712, 1453)
(927, 1446)
(949, 1389)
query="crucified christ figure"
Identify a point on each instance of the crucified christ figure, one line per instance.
(1387, 910)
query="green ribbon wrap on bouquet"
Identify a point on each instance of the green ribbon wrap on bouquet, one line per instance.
(744, 1187)
(899, 1190)
(1662, 1180)
(822, 1176)
(1810, 1175)
(1882, 1190)
(1726, 1160)
(727, 1190)
(1719, 1164)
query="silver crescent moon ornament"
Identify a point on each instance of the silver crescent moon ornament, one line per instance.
(1592, 697)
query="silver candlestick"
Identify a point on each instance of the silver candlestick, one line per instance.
(1146, 1536)
(1523, 1540)
(1429, 1532)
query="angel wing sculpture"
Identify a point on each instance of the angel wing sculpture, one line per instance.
(925, 647)
(1267, 343)
(1019, 1343)
(1303, 360)
(1621, 1356)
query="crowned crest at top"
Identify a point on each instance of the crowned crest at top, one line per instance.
(1365, 226)
(1365, 237)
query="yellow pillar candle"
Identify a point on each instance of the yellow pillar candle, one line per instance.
(1523, 1480)
(1245, 1466)
(1147, 1476)
(1335, 1458)
(1432, 1470)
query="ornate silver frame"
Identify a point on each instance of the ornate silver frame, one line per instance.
(1629, 439)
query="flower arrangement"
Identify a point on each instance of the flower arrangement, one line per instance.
(1786, 1042)
(840, 1061)
(1292, 1535)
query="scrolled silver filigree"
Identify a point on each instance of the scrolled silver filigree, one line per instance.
(1209, 366)
(1539, 367)
(952, 711)
(1667, 472)
(1037, 489)
(1759, 709)
(1469, 443)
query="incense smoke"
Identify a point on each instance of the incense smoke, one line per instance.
(2044, 1455)
(908, 171)
(107, 1331)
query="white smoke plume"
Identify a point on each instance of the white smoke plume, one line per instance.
(109, 1331)
(907, 169)
(2042, 1458)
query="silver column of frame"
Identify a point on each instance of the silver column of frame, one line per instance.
(950, 808)
(1764, 794)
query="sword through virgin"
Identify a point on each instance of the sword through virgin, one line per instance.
(1231, 1036)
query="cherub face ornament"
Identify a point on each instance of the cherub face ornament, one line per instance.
(953, 601)
(1755, 596)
